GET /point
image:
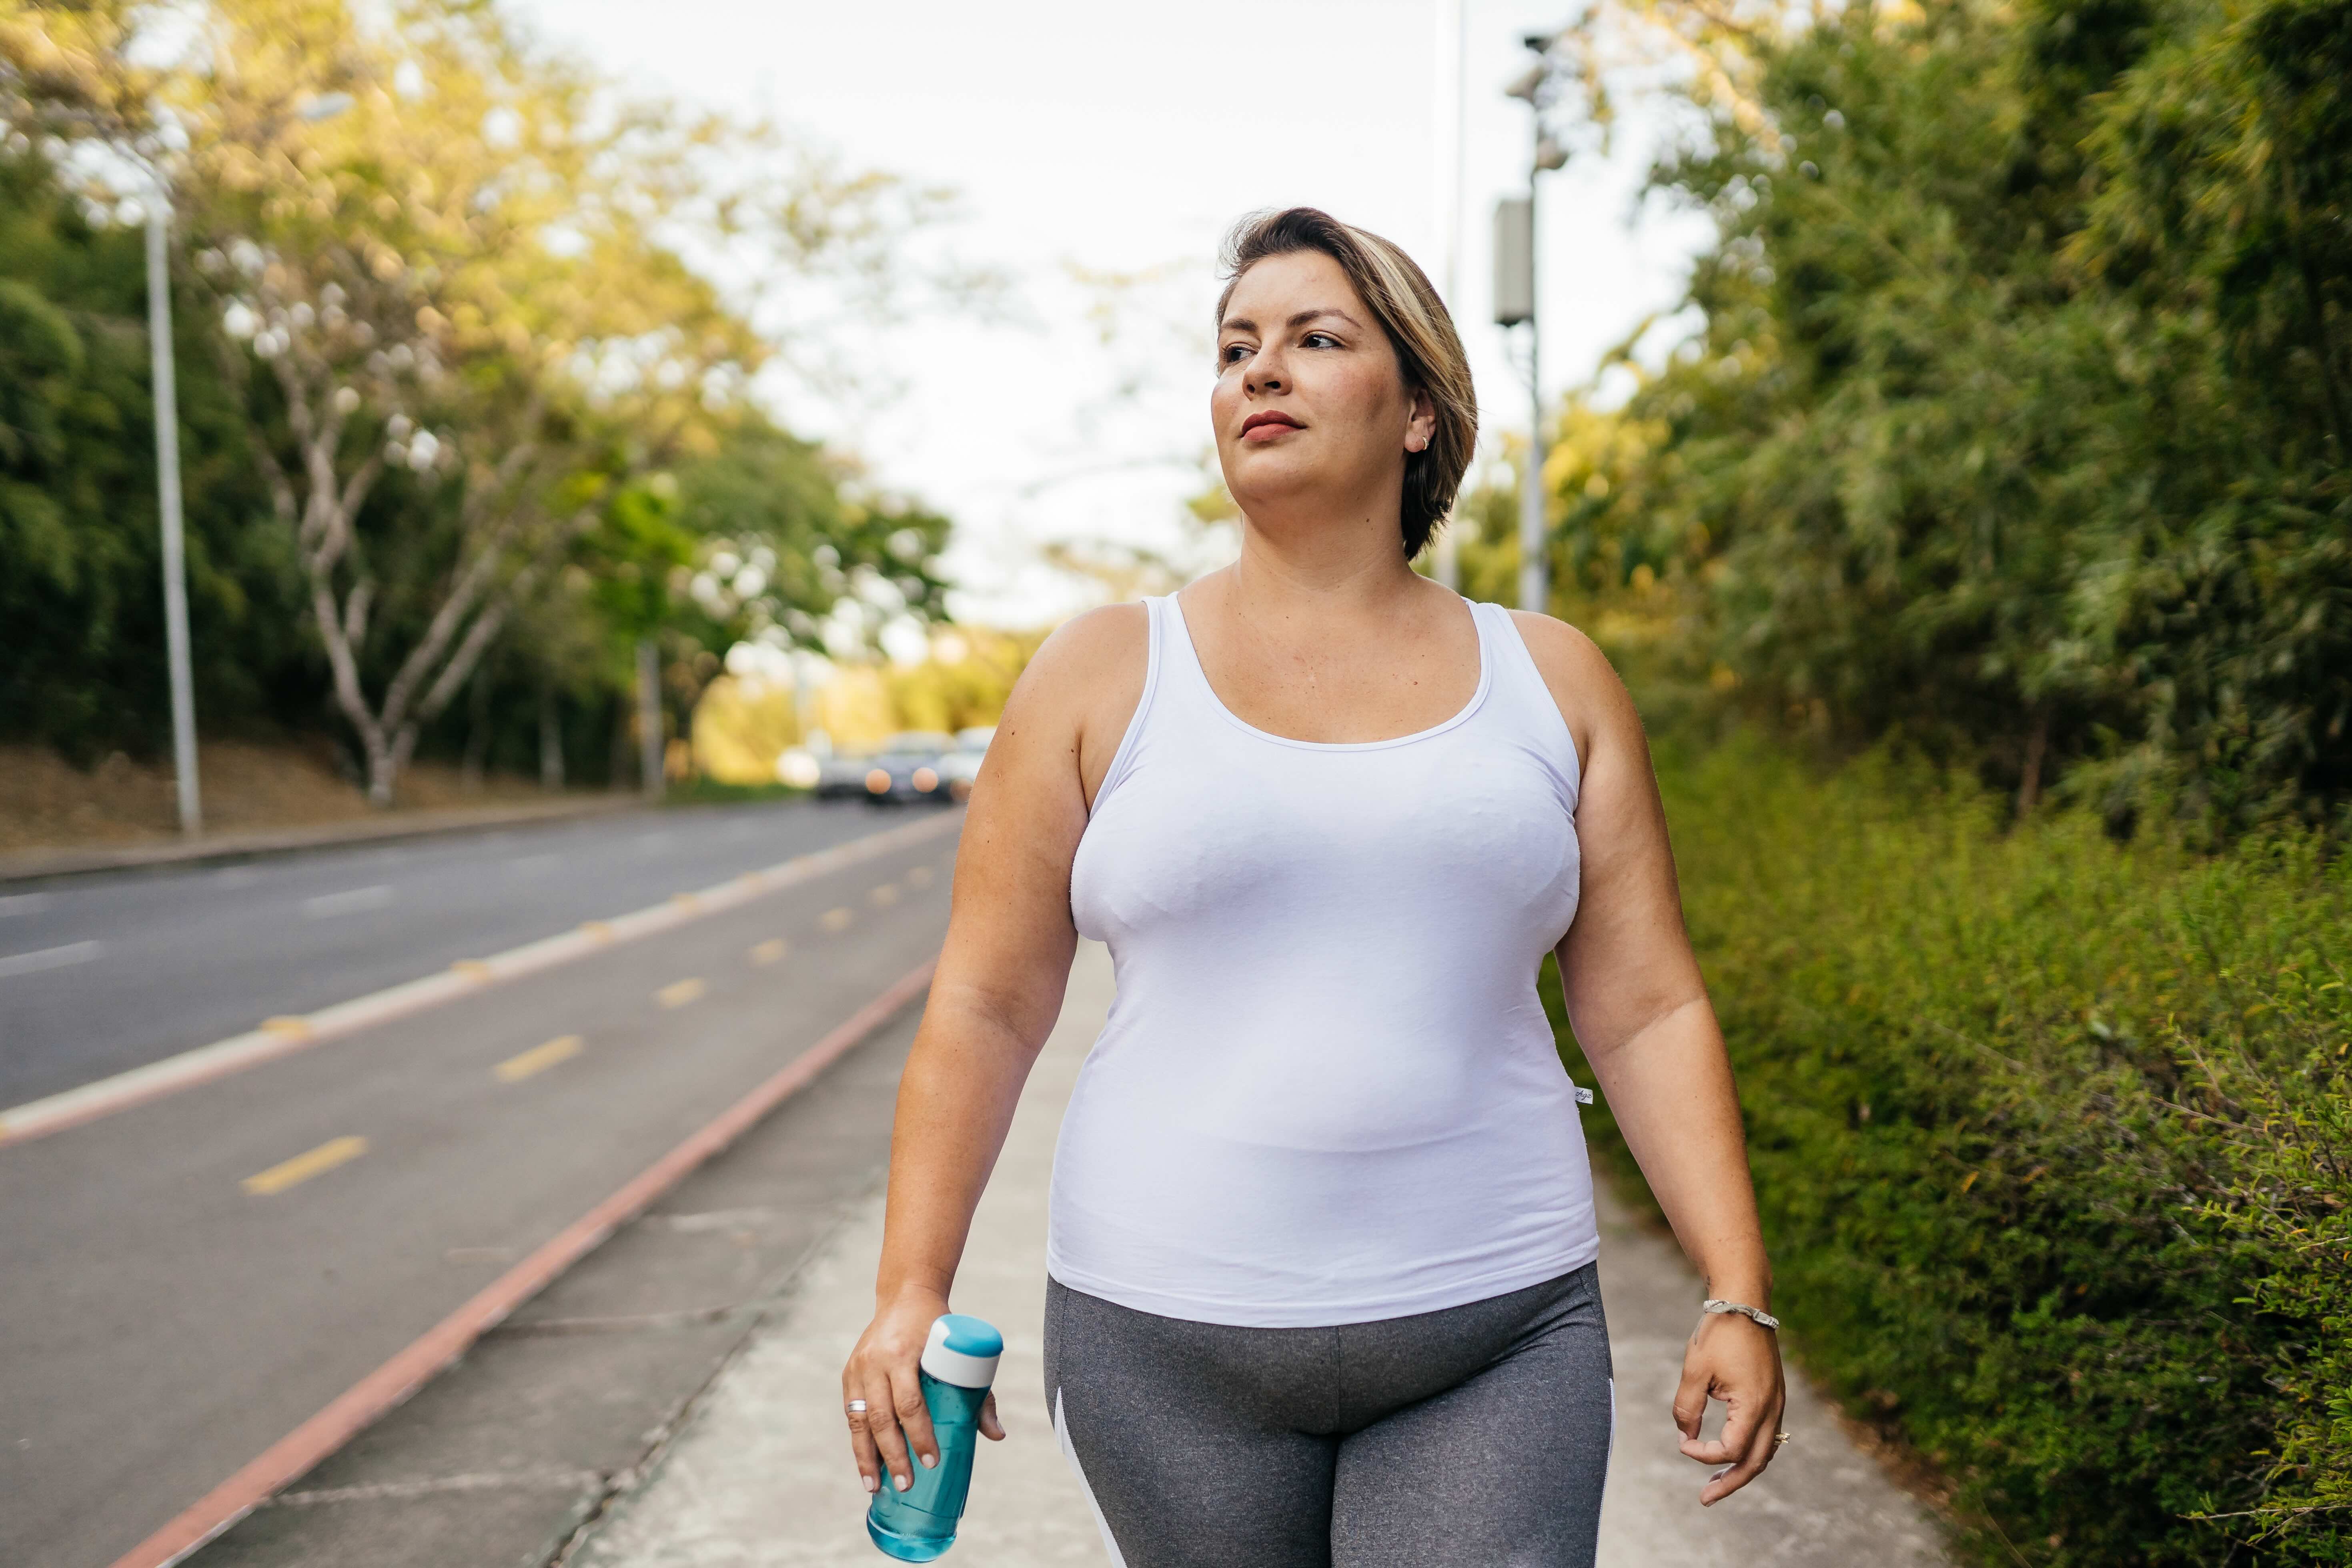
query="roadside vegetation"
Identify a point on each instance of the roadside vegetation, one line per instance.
(2053, 1140)
(464, 417)
(1983, 563)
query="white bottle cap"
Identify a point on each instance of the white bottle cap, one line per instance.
(962, 1351)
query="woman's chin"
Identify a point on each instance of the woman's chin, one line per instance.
(1276, 479)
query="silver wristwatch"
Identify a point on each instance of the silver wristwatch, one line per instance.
(1766, 1319)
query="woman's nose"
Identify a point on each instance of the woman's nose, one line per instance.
(1264, 375)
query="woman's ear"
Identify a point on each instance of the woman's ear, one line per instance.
(1421, 426)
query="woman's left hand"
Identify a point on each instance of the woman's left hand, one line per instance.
(1737, 1362)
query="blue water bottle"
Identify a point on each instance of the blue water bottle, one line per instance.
(919, 1525)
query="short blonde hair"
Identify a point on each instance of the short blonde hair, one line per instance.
(1419, 328)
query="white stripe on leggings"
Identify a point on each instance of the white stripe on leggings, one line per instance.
(1069, 1452)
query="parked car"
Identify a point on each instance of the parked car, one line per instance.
(960, 767)
(907, 767)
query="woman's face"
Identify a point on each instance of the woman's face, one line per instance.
(1309, 401)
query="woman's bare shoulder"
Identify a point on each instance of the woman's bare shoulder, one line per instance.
(1082, 686)
(1592, 699)
(1103, 648)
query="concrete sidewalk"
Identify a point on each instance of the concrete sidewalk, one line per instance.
(760, 1473)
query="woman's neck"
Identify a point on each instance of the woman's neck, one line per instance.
(1321, 565)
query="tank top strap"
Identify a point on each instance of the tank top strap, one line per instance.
(1159, 615)
(1521, 697)
(1182, 661)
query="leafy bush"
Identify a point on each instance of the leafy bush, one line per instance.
(2053, 1140)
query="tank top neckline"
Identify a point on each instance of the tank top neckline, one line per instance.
(1191, 657)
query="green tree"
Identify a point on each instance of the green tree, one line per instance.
(447, 277)
(2013, 422)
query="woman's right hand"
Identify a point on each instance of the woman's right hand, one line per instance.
(894, 1427)
(893, 1430)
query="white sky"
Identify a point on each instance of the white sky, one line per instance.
(1125, 138)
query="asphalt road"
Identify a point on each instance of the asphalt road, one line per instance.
(187, 1280)
(99, 975)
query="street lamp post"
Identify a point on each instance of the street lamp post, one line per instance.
(167, 485)
(1453, 104)
(166, 395)
(1514, 302)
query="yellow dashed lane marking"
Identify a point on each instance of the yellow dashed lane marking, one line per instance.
(538, 1058)
(838, 920)
(884, 896)
(768, 952)
(303, 1167)
(678, 992)
(920, 876)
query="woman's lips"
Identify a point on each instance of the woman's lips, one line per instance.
(1267, 426)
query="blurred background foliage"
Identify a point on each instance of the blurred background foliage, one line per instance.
(2016, 423)
(745, 721)
(1983, 566)
(461, 421)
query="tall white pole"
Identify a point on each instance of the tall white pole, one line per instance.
(167, 485)
(1534, 559)
(1452, 103)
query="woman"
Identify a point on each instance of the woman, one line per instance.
(1321, 1253)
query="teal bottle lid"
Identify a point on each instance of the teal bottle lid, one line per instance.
(962, 1351)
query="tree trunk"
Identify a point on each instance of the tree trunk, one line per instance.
(477, 730)
(383, 772)
(551, 742)
(624, 740)
(2037, 744)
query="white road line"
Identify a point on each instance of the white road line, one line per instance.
(64, 957)
(283, 1036)
(23, 904)
(352, 901)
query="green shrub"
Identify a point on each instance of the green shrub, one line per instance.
(2053, 1140)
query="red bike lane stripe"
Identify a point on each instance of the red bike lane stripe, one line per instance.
(351, 1411)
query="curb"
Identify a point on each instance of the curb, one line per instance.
(38, 865)
(352, 1410)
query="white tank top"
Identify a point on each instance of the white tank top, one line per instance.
(1327, 1092)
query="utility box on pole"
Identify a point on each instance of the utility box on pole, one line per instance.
(1515, 261)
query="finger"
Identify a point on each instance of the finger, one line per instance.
(861, 1445)
(914, 1416)
(992, 1425)
(1753, 1445)
(1739, 1466)
(1733, 1476)
(1690, 1403)
(1730, 1445)
(882, 1422)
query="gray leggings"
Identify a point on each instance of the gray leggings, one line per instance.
(1474, 1434)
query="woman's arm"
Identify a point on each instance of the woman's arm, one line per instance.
(1640, 1012)
(993, 999)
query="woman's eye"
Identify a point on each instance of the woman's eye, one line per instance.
(1232, 352)
(1320, 340)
